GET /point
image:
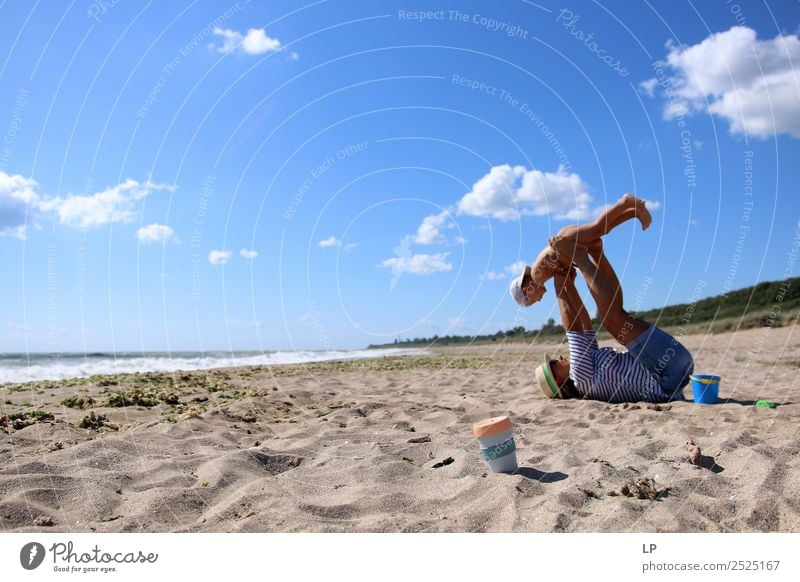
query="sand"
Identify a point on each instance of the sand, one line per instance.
(386, 446)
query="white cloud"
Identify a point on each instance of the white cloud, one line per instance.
(419, 264)
(508, 192)
(18, 201)
(219, 257)
(254, 42)
(156, 233)
(430, 231)
(329, 242)
(751, 83)
(115, 204)
(493, 194)
(460, 240)
(494, 276)
(456, 322)
(248, 254)
(693, 222)
(20, 204)
(649, 86)
(350, 246)
(515, 269)
(19, 327)
(231, 39)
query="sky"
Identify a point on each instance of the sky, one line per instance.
(326, 175)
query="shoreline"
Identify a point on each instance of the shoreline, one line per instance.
(77, 366)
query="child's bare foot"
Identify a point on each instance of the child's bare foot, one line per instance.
(639, 208)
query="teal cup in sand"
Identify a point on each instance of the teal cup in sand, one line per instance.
(497, 444)
(705, 388)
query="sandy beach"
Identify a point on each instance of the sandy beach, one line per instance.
(386, 445)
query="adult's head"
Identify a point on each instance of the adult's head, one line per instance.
(525, 290)
(553, 379)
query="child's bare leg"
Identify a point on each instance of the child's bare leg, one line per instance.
(624, 216)
(624, 209)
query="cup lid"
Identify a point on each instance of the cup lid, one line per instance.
(491, 426)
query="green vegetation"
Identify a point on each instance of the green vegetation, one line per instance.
(754, 306)
(93, 421)
(141, 397)
(770, 304)
(33, 415)
(81, 402)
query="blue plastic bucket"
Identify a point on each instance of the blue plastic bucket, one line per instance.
(705, 388)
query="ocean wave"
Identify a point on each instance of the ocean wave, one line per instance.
(53, 368)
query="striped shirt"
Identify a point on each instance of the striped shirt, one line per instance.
(608, 375)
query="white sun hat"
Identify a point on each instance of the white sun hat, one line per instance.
(515, 288)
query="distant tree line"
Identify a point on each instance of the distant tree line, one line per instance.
(766, 304)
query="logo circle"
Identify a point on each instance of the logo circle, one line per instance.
(31, 555)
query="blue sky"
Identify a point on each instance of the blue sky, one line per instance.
(184, 176)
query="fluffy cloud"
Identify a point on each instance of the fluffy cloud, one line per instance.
(20, 204)
(456, 322)
(751, 83)
(329, 242)
(494, 194)
(430, 231)
(18, 201)
(19, 327)
(507, 192)
(649, 86)
(248, 254)
(495, 276)
(515, 269)
(156, 233)
(419, 264)
(219, 257)
(254, 42)
(116, 204)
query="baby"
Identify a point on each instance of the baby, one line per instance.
(529, 287)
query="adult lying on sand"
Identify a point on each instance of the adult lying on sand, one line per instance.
(656, 366)
(529, 287)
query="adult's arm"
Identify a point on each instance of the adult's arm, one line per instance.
(597, 253)
(574, 316)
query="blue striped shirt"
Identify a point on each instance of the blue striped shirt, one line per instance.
(609, 375)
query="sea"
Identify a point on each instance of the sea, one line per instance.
(20, 367)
